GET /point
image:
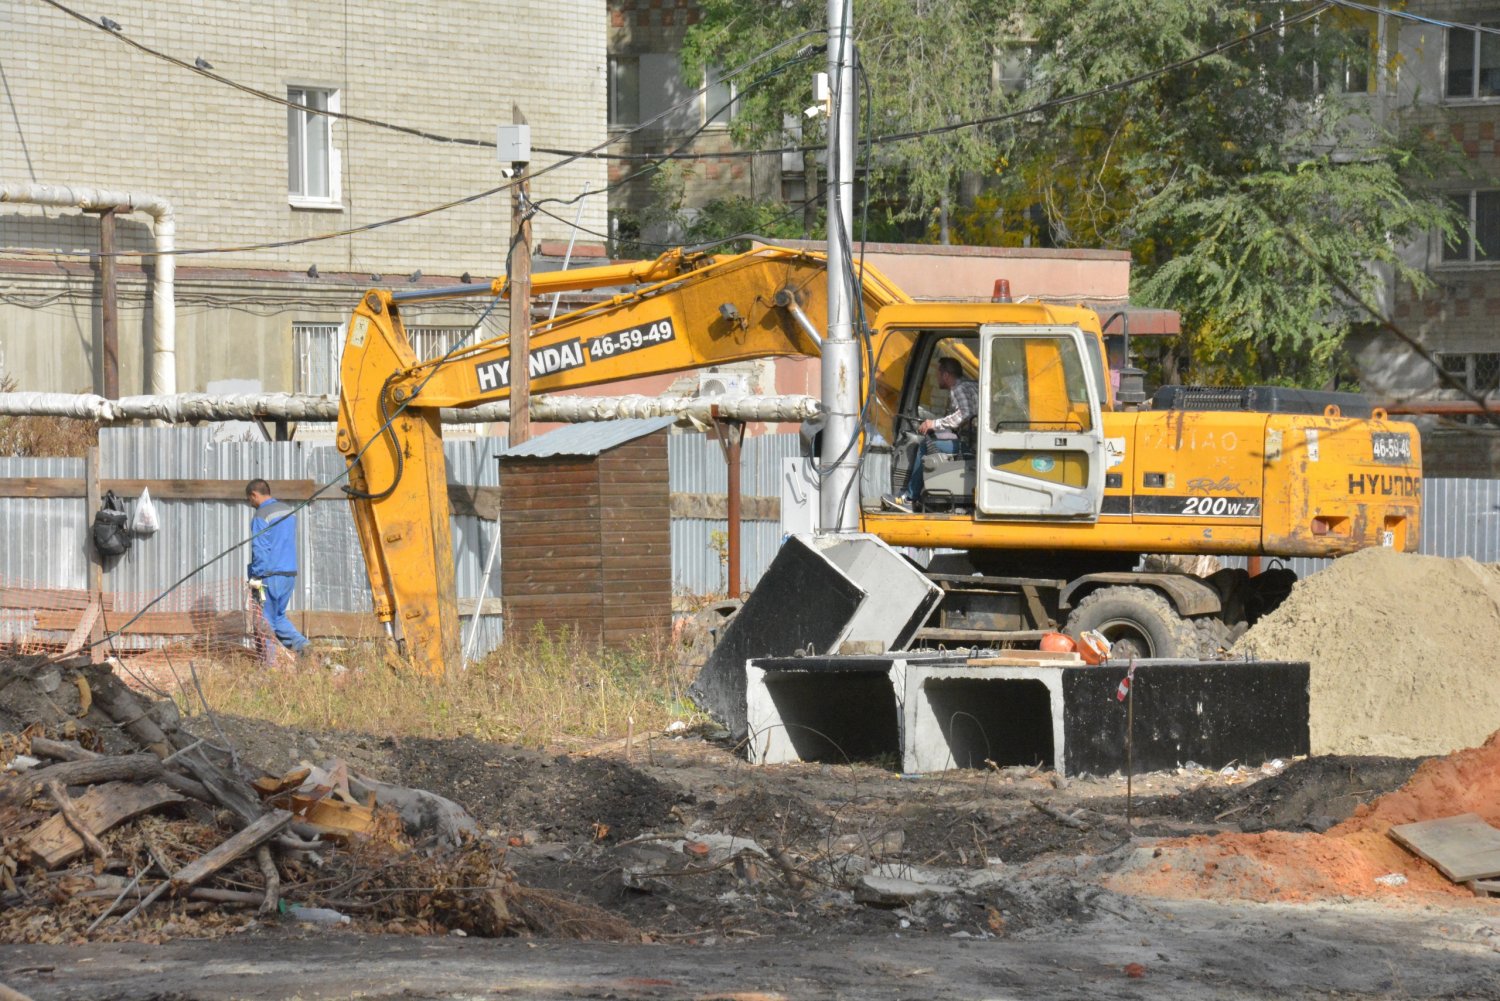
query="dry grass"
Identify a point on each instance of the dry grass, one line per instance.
(44, 436)
(540, 692)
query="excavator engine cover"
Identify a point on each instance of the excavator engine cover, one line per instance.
(827, 594)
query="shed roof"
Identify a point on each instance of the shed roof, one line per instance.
(590, 438)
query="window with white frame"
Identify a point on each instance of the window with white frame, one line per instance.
(312, 162)
(1481, 243)
(319, 350)
(1474, 62)
(649, 84)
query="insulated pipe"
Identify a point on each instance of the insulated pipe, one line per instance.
(192, 407)
(163, 230)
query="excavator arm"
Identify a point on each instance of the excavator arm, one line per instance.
(676, 313)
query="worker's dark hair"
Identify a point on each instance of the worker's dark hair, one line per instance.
(950, 365)
(257, 487)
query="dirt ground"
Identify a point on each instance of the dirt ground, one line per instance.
(746, 882)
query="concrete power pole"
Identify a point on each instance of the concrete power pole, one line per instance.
(838, 498)
(515, 145)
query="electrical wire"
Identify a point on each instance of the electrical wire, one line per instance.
(436, 137)
(349, 468)
(1409, 16)
(571, 156)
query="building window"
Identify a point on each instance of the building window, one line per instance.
(648, 87)
(1477, 372)
(1474, 62)
(319, 350)
(312, 175)
(1481, 244)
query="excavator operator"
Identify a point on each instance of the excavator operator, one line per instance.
(941, 434)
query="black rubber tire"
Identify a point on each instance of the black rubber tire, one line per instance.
(1140, 622)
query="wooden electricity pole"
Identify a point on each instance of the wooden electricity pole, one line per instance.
(519, 271)
(109, 310)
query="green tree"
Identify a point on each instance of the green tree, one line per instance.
(1249, 187)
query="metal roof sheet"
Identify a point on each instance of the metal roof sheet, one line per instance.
(589, 438)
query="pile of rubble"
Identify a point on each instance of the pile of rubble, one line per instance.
(116, 823)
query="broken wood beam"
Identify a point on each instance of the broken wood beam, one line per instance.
(1066, 819)
(242, 842)
(71, 817)
(59, 839)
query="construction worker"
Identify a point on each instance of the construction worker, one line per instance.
(942, 432)
(273, 562)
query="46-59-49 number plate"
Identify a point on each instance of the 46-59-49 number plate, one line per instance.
(1391, 447)
(624, 341)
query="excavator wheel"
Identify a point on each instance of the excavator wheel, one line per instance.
(1137, 622)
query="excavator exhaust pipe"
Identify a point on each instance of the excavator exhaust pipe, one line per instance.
(849, 595)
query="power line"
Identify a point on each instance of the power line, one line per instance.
(1046, 105)
(1409, 16)
(430, 136)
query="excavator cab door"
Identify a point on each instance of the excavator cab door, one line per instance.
(1041, 435)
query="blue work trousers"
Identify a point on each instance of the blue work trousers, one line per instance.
(278, 595)
(918, 475)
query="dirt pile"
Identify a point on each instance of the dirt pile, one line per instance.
(1346, 862)
(1402, 651)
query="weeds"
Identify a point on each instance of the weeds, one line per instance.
(44, 436)
(543, 691)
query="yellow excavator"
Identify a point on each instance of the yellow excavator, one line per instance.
(1053, 497)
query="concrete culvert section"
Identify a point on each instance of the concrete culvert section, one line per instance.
(1006, 722)
(1402, 651)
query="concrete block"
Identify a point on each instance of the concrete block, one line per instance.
(935, 712)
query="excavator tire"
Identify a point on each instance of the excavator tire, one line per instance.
(1137, 621)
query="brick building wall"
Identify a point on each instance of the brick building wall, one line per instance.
(85, 108)
(1459, 318)
(645, 43)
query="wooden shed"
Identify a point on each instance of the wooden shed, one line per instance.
(585, 532)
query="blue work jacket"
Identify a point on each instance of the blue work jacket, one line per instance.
(274, 552)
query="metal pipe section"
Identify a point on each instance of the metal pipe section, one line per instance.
(443, 292)
(164, 271)
(838, 495)
(192, 407)
(790, 305)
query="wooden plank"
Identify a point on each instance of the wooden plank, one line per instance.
(102, 808)
(244, 841)
(16, 598)
(184, 489)
(153, 623)
(1462, 847)
(1019, 658)
(1485, 887)
(84, 628)
(483, 502)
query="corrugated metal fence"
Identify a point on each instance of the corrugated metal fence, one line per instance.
(45, 539)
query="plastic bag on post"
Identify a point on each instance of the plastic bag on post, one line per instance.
(145, 521)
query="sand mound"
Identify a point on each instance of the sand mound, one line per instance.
(1403, 651)
(1281, 866)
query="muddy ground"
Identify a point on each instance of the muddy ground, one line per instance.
(743, 879)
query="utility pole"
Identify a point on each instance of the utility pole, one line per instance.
(109, 311)
(514, 145)
(838, 496)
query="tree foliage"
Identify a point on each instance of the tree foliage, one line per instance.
(1249, 185)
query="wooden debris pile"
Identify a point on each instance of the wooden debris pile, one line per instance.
(172, 835)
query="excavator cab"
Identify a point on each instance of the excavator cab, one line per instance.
(1036, 447)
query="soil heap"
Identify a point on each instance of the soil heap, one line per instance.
(1403, 651)
(1348, 861)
